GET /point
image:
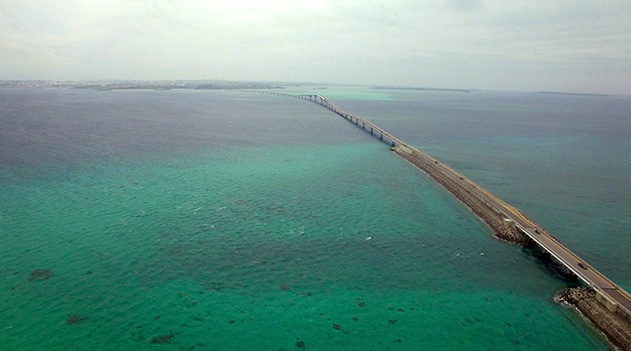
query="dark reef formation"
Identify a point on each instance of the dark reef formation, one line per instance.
(40, 274)
(162, 339)
(75, 319)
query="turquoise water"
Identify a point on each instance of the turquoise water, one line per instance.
(562, 159)
(230, 221)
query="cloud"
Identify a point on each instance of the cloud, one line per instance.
(346, 41)
(465, 5)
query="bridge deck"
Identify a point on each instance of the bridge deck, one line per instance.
(616, 296)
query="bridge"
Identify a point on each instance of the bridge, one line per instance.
(508, 222)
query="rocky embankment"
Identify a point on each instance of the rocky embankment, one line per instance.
(463, 192)
(615, 327)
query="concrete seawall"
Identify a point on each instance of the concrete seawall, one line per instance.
(606, 316)
(462, 189)
(615, 326)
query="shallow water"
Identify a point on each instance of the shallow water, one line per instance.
(562, 159)
(235, 221)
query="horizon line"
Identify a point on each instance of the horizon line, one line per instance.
(298, 83)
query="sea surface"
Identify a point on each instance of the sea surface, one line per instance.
(216, 220)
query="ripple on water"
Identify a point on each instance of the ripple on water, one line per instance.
(341, 247)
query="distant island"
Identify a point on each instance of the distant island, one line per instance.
(138, 85)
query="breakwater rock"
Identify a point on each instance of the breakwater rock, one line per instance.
(463, 190)
(613, 325)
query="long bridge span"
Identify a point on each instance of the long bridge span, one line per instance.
(509, 222)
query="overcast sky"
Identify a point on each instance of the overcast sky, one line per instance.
(532, 45)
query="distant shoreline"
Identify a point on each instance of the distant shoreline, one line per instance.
(139, 85)
(110, 85)
(574, 94)
(387, 87)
